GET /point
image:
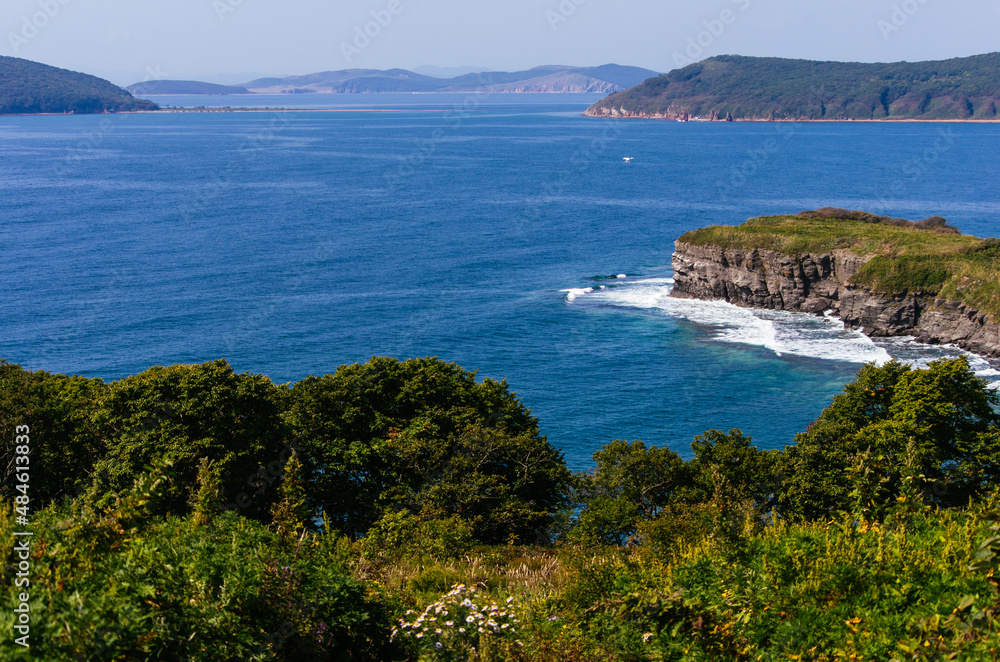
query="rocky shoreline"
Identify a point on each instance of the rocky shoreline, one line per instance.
(816, 283)
(676, 114)
(684, 116)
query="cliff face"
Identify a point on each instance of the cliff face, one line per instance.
(817, 283)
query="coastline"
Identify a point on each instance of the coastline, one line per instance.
(439, 110)
(822, 283)
(792, 121)
(162, 111)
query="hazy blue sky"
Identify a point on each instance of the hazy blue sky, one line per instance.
(225, 40)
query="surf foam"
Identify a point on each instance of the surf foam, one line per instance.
(784, 333)
(574, 293)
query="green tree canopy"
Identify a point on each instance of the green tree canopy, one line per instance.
(63, 444)
(190, 412)
(729, 466)
(632, 482)
(423, 436)
(941, 421)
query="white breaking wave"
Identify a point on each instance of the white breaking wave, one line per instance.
(921, 355)
(653, 281)
(784, 333)
(573, 294)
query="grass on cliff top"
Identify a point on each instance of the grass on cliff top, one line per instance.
(903, 260)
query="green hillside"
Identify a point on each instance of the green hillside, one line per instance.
(754, 88)
(29, 87)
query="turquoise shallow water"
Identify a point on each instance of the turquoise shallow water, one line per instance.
(477, 229)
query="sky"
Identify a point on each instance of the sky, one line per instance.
(231, 41)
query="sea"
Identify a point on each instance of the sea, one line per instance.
(505, 233)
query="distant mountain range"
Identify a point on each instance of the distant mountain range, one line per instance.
(754, 88)
(604, 80)
(30, 87)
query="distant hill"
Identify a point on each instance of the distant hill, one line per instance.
(553, 78)
(154, 87)
(752, 88)
(30, 87)
(605, 79)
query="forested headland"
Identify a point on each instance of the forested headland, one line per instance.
(736, 87)
(28, 87)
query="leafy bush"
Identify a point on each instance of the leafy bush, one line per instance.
(129, 585)
(863, 541)
(677, 527)
(189, 412)
(64, 443)
(400, 534)
(423, 436)
(727, 467)
(938, 424)
(631, 482)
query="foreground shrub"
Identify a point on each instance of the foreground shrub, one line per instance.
(891, 423)
(125, 585)
(190, 412)
(64, 444)
(401, 535)
(632, 482)
(423, 436)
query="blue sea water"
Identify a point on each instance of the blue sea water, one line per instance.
(485, 230)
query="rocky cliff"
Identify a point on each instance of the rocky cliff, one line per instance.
(815, 283)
